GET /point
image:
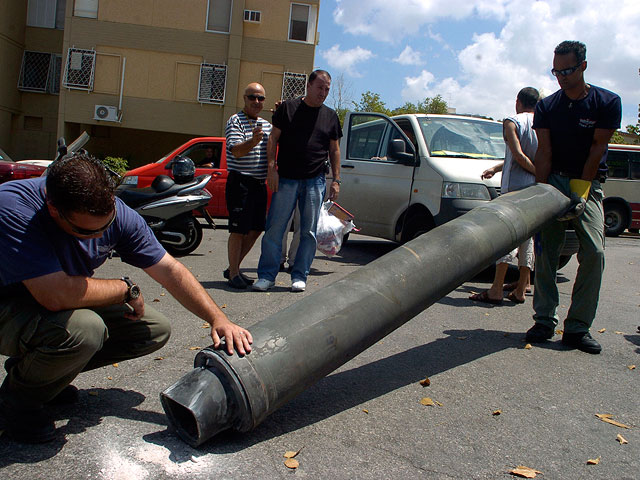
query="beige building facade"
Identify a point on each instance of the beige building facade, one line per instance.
(143, 76)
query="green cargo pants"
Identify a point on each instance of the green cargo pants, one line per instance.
(49, 349)
(589, 228)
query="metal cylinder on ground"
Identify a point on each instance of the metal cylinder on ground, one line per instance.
(301, 344)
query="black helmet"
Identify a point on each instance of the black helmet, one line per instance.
(162, 183)
(183, 169)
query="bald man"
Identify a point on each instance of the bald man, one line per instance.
(246, 194)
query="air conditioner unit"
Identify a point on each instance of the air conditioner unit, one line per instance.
(106, 113)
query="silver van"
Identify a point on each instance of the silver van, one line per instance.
(405, 175)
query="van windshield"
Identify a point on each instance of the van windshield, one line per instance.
(463, 138)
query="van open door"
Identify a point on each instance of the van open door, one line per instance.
(377, 167)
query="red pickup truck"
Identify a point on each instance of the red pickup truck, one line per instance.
(209, 154)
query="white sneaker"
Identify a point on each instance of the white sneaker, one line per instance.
(298, 286)
(262, 285)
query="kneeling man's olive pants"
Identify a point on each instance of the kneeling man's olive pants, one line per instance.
(49, 349)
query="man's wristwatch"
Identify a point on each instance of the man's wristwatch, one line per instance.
(337, 181)
(133, 291)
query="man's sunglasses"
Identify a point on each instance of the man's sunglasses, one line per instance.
(86, 232)
(565, 72)
(253, 98)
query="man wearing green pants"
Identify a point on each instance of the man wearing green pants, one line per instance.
(55, 319)
(573, 126)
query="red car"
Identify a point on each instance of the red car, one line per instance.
(10, 170)
(209, 154)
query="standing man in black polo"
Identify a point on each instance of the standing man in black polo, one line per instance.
(573, 126)
(305, 132)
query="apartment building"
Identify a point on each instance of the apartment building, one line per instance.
(143, 76)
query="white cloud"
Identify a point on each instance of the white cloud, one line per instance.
(346, 60)
(409, 56)
(494, 66)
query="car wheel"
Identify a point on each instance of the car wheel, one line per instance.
(615, 219)
(415, 226)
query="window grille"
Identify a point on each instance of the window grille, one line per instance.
(213, 80)
(294, 85)
(79, 69)
(252, 16)
(35, 71)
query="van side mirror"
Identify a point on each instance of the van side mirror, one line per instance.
(398, 151)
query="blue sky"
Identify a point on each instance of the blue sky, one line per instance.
(477, 54)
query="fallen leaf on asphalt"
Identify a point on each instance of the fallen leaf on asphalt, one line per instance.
(159, 358)
(291, 454)
(621, 439)
(195, 348)
(365, 410)
(618, 333)
(602, 330)
(461, 338)
(496, 412)
(162, 294)
(206, 325)
(593, 461)
(631, 367)
(115, 365)
(607, 417)
(528, 346)
(224, 305)
(291, 463)
(427, 402)
(425, 382)
(524, 472)
(559, 332)
(156, 299)
(438, 403)
(93, 394)
(109, 378)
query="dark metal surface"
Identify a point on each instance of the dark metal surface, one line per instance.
(306, 341)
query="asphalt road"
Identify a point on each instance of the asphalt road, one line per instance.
(365, 420)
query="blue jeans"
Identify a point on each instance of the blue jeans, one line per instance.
(308, 194)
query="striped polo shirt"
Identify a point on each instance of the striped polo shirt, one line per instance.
(239, 130)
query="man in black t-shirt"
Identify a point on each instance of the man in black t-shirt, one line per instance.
(573, 126)
(305, 132)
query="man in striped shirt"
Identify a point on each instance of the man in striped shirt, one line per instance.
(246, 193)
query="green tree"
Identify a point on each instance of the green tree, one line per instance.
(429, 105)
(371, 102)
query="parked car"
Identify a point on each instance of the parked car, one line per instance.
(10, 170)
(210, 158)
(622, 190)
(405, 175)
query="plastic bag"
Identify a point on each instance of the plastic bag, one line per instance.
(331, 231)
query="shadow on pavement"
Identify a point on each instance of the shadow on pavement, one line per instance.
(342, 391)
(94, 405)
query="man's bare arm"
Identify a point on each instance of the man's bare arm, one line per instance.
(185, 288)
(542, 159)
(601, 138)
(510, 135)
(334, 159)
(272, 147)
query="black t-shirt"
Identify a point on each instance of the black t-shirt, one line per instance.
(306, 131)
(572, 124)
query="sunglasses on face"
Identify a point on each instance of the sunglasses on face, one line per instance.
(253, 98)
(565, 72)
(84, 231)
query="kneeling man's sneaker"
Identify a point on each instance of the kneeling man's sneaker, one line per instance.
(262, 285)
(582, 341)
(298, 286)
(25, 425)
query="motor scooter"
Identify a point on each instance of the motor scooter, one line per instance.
(168, 209)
